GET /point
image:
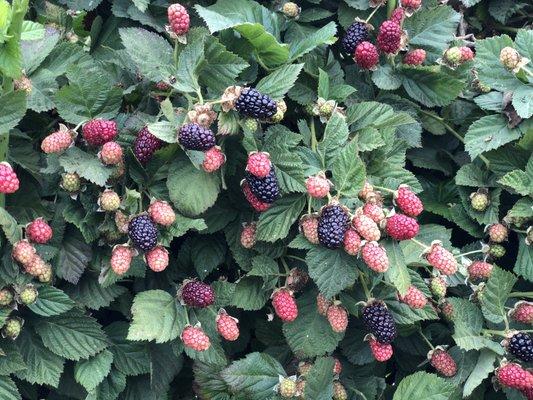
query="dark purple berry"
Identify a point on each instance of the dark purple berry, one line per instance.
(197, 294)
(265, 189)
(145, 145)
(332, 225)
(379, 321)
(520, 345)
(253, 104)
(195, 137)
(143, 232)
(355, 34)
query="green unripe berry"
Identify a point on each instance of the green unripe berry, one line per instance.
(12, 328)
(479, 201)
(71, 182)
(6, 297)
(28, 295)
(497, 250)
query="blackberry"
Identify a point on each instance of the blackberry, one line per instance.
(355, 34)
(265, 189)
(253, 104)
(146, 145)
(520, 345)
(332, 225)
(143, 232)
(196, 137)
(197, 294)
(379, 321)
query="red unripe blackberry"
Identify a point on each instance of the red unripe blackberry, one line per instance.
(442, 259)
(402, 227)
(57, 142)
(196, 137)
(443, 362)
(322, 304)
(414, 298)
(479, 270)
(256, 204)
(375, 257)
(337, 366)
(99, 131)
(259, 164)
(195, 338)
(9, 182)
(162, 213)
(365, 226)
(145, 145)
(389, 37)
(466, 54)
(332, 225)
(318, 186)
(381, 351)
(197, 294)
(522, 312)
(366, 55)
(498, 233)
(227, 326)
(213, 160)
(408, 201)
(356, 33)
(309, 227)
(284, 305)
(157, 259)
(352, 242)
(178, 19)
(514, 376)
(415, 57)
(248, 235)
(398, 15)
(374, 211)
(337, 317)
(121, 257)
(39, 231)
(111, 153)
(412, 5)
(23, 252)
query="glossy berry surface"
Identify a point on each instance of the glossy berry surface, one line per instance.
(265, 189)
(332, 225)
(145, 145)
(379, 321)
(252, 103)
(197, 294)
(143, 232)
(356, 33)
(196, 137)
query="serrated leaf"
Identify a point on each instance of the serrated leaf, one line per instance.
(324, 35)
(488, 133)
(386, 78)
(164, 366)
(519, 181)
(275, 223)
(191, 199)
(8, 389)
(13, 106)
(85, 165)
(255, 375)
(331, 270)
(484, 366)
(157, 316)
(74, 256)
(310, 334)
(319, 381)
(279, 82)
(164, 130)
(89, 293)
(51, 301)
(110, 388)
(334, 137)
(430, 86)
(348, 171)
(91, 372)
(424, 386)
(130, 358)
(72, 335)
(190, 61)
(10, 226)
(524, 259)
(207, 253)
(397, 274)
(249, 294)
(43, 366)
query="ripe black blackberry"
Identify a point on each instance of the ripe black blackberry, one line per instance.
(143, 232)
(145, 145)
(379, 321)
(520, 345)
(332, 225)
(197, 294)
(253, 104)
(265, 189)
(355, 34)
(195, 137)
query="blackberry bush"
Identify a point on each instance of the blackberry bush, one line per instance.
(234, 199)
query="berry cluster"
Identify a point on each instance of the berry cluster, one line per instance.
(260, 185)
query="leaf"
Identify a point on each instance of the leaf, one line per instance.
(43, 366)
(249, 294)
(348, 171)
(89, 95)
(164, 130)
(87, 166)
(74, 256)
(164, 366)
(191, 199)
(430, 86)
(279, 82)
(386, 78)
(331, 270)
(51, 301)
(334, 137)
(207, 253)
(190, 61)
(310, 334)
(424, 386)
(255, 375)
(397, 273)
(10, 226)
(156, 316)
(319, 381)
(13, 106)
(8, 389)
(91, 294)
(110, 388)
(72, 335)
(432, 29)
(524, 259)
(518, 181)
(90, 373)
(130, 358)
(254, 22)
(324, 35)
(488, 133)
(484, 366)
(275, 223)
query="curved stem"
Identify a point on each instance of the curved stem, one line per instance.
(314, 142)
(493, 332)
(295, 258)
(522, 294)
(383, 188)
(362, 279)
(372, 14)
(391, 5)
(420, 243)
(426, 340)
(285, 266)
(468, 253)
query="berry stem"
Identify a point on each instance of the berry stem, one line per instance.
(522, 294)
(309, 205)
(314, 142)
(362, 279)
(296, 258)
(200, 98)
(426, 340)
(75, 129)
(371, 15)
(391, 5)
(384, 189)
(493, 332)
(175, 55)
(468, 253)
(420, 243)
(285, 266)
